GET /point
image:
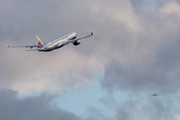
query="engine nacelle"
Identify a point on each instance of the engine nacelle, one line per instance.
(76, 42)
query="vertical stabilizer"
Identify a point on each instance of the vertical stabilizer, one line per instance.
(39, 42)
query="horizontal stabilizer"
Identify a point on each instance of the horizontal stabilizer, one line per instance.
(14, 46)
(27, 46)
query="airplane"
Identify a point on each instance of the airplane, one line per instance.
(154, 94)
(59, 42)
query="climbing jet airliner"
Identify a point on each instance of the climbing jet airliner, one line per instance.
(59, 42)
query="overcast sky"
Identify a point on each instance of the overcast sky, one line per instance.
(133, 53)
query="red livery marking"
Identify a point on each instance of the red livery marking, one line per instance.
(40, 44)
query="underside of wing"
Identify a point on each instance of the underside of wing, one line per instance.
(32, 50)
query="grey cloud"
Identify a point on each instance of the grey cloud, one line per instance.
(157, 76)
(36, 108)
(160, 74)
(151, 59)
(122, 115)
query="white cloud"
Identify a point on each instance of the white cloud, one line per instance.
(177, 117)
(121, 12)
(171, 8)
(53, 73)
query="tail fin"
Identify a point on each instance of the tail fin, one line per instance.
(39, 42)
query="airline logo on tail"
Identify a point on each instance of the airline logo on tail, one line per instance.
(39, 42)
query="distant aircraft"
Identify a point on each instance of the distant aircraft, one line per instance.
(154, 94)
(59, 42)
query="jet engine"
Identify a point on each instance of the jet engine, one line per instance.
(76, 42)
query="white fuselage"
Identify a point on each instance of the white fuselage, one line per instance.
(58, 42)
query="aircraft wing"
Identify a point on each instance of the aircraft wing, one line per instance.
(70, 41)
(27, 46)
